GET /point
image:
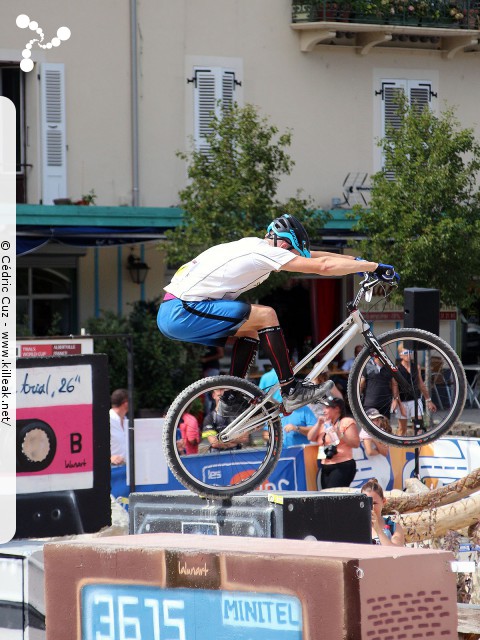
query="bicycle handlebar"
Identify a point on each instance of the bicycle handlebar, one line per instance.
(370, 280)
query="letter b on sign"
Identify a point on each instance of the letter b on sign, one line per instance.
(75, 442)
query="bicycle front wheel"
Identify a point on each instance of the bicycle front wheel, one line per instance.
(240, 465)
(415, 422)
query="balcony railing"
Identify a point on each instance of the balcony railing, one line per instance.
(454, 14)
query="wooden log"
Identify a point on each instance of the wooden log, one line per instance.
(468, 620)
(443, 496)
(435, 522)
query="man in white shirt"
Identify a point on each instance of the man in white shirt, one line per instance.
(118, 425)
(201, 303)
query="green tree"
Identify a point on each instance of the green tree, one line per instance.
(426, 221)
(232, 189)
(162, 367)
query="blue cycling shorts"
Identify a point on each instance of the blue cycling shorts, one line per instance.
(208, 322)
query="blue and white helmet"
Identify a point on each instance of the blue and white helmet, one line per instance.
(288, 228)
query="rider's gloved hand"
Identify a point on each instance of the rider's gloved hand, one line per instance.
(386, 272)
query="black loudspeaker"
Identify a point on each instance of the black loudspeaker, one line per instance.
(49, 514)
(336, 517)
(422, 309)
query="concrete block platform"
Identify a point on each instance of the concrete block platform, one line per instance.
(192, 586)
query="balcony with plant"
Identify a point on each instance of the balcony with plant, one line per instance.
(455, 14)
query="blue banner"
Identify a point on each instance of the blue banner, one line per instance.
(133, 612)
(288, 475)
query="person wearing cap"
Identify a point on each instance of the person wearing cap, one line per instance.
(371, 446)
(335, 461)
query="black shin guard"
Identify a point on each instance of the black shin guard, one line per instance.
(273, 343)
(243, 352)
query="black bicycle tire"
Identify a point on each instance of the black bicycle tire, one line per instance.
(354, 389)
(174, 460)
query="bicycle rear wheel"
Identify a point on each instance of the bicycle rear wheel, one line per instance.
(444, 379)
(214, 472)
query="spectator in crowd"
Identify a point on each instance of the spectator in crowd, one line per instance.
(268, 380)
(385, 530)
(191, 436)
(214, 423)
(372, 446)
(296, 427)
(336, 436)
(118, 425)
(379, 387)
(406, 404)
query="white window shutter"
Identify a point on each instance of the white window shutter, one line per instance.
(205, 98)
(420, 94)
(392, 89)
(53, 132)
(228, 89)
(211, 86)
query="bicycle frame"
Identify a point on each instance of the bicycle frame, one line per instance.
(345, 332)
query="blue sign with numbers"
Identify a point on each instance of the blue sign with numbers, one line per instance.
(136, 612)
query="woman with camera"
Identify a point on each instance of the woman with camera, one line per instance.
(336, 436)
(385, 530)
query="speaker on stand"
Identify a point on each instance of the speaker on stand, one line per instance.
(421, 311)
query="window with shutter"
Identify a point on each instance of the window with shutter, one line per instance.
(419, 95)
(54, 169)
(214, 91)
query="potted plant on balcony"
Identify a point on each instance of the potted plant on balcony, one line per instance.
(87, 198)
(466, 17)
(369, 11)
(472, 17)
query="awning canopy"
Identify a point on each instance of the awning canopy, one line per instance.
(96, 226)
(91, 226)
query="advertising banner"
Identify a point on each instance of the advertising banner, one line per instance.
(288, 475)
(440, 463)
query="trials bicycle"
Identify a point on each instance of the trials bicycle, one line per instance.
(224, 473)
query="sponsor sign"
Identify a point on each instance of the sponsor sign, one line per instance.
(53, 347)
(110, 611)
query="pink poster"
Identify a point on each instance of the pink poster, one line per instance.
(55, 426)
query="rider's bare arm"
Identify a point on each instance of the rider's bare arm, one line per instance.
(328, 265)
(321, 254)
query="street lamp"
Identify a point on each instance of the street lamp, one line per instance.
(137, 268)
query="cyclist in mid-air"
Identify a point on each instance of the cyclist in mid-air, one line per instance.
(201, 306)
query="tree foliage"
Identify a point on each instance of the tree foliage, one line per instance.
(426, 221)
(162, 367)
(232, 190)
